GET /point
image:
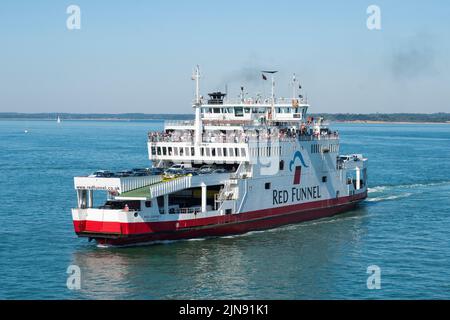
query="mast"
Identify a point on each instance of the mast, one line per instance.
(197, 104)
(272, 73)
(294, 87)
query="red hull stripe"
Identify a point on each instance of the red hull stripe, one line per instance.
(219, 225)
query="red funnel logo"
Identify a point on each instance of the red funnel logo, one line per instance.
(298, 169)
(297, 174)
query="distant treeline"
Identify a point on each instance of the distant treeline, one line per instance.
(94, 116)
(386, 117)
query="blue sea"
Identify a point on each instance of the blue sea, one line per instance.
(403, 228)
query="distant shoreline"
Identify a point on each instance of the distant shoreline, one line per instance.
(374, 118)
(161, 119)
(389, 122)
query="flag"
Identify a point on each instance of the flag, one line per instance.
(264, 77)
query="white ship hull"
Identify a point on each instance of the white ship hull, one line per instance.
(266, 165)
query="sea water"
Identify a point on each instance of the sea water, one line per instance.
(402, 228)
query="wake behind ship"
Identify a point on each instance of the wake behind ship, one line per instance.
(240, 166)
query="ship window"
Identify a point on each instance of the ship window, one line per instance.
(153, 151)
(281, 164)
(192, 151)
(170, 151)
(202, 151)
(159, 151)
(324, 179)
(239, 112)
(219, 152)
(213, 152)
(207, 152)
(231, 152)
(236, 151)
(216, 110)
(224, 152)
(175, 151)
(164, 151)
(186, 151)
(267, 185)
(247, 110)
(148, 204)
(242, 152)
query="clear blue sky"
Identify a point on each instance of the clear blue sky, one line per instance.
(137, 56)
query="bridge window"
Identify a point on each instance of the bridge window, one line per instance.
(238, 112)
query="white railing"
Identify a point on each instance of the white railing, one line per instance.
(133, 183)
(113, 184)
(256, 101)
(171, 186)
(241, 170)
(168, 123)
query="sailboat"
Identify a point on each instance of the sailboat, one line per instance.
(58, 120)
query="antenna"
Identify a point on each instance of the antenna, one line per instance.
(196, 77)
(226, 92)
(294, 87)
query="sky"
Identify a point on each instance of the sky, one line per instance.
(138, 56)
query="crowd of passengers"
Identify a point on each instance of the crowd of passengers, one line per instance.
(241, 136)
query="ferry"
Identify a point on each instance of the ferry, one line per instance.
(250, 164)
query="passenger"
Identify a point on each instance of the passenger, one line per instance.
(126, 208)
